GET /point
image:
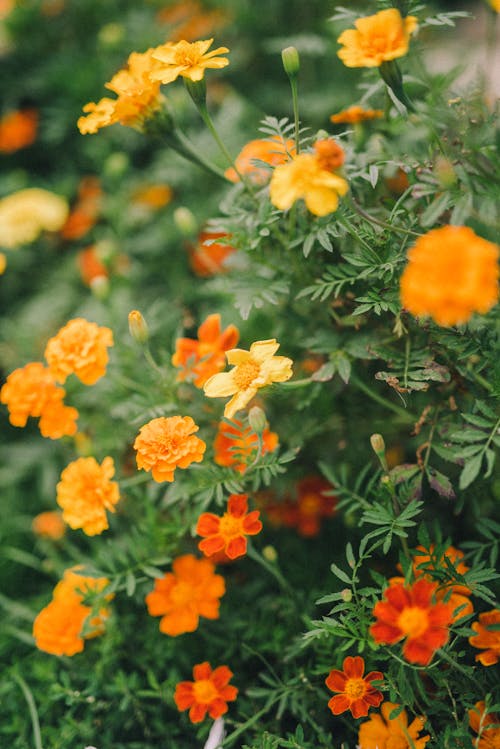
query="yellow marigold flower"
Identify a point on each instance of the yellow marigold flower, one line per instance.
(25, 214)
(451, 274)
(48, 525)
(80, 348)
(253, 370)
(353, 115)
(167, 443)
(188, 59)
(383, 732)
(85, 492)
(376, 39)
(304, 177)
(138, 96)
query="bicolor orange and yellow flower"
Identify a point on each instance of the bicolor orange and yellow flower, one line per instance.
(167, 443)
(200, 359)
(376, 39)
(354, 691)
(208, 693)
(228, 533)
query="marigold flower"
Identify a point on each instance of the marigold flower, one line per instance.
(311, 506)
(210, 692)
(85, 492)
(79, 348)
(355, 114)
(86, 209)
(153, 196)
(25, 214)
(31, 391)
(191, 590)
(451, 274)
(253, 369)
(186, 59)
(90, 265)
(138, 96)
(18, 130)
(273, 151)
(487, 638)
(382, 732)
(202, 358)
(48, 525)
(409, 612)
(486, 725)
(235, 445)
(376, 39)
(191, 21)
(210, 259)
(356, 693)
(167, 443)
(329, 155)
(228, 533)
(304, 177)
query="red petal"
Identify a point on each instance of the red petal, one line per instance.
(398, 597)
(354, 667)
(359, 708)
(209, 330)
(237, 505)
(202, 671)
(384, 633)
(183, 696)
(211, 545)
(339, 704)
(217, 708)
(208, 524)
(336, 681)
(374, 676)
(237, 547)
(422, 592)
(252, 524)
(417, 651)
(221, 676)
(197, 713)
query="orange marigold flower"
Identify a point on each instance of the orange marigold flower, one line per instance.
(138, 96)
(167, 443)
(272, 151)
(210, 259)
(86, 210)
(80, 348)
(90, 265)
(383, 732)
(409, 612)
(487, 637)
(209, 692)
(486, 725)
(186, 59)
(153, 196)
(235, 445)
(376, 39)
(451, 274)
(312, 505)
(253, 369)
(356, 693)
(191, 590)
(49, 525)
(329, 155)
(354, 114)
(85, 492)
(31, 391)
(228, 533)
(18, 130)
(304, 177)
(191, 21)
(202, 358)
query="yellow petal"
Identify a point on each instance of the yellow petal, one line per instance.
(220, 385)
(277, 369)
(237, 356)
(238, 402)
(262, 350)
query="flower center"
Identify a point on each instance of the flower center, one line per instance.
(413, 621)
(245, 374)
(204, 691)
(355, 688)
(310, 504)
(230, 526)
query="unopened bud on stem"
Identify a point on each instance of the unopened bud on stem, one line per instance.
(138, 327)
(291, 61)
(257, 419)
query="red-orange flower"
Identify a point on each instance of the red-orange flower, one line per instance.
(409, 612)
(202, 358)
(228, 533)
(356, 693)
(354, 114)
(86, 210)
(210, 259)
(487, 638)
(235, 446)
(191, 590)
(486, 725)
(272, 151)
(48, 525)
(85, 492)
(90, 265)
(167, 443)
(18, 130)
(209, 692)
(312, 505)
(80, 347)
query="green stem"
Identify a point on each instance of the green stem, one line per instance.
(185, 148)
(250, 722)
(295, 103)
(444, 655)
(356, 207)
(272, 569)
(405, 415)
(28, 696)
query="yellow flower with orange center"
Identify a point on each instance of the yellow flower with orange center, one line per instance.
(305, 178)
(186, 59)
(486, 725)
(167, 443)
(192, 590)
(200, 359)
(49, 525)
(228, 533)
(253, 369)
(80, 348)
(355, 114)
(451, 274)
(383, 732)
(487, 637)
(25, 214)
(85, 492)
(376, 39)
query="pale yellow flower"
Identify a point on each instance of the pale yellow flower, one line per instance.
(376, 39)
(26, 213)
(253, 369)
(188, 59)
(303, 177)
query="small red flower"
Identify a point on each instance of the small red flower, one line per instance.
(228, 533)
(355, 691)
(410, 612)
(209, 692)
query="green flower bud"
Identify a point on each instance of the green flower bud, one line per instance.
(291, 61)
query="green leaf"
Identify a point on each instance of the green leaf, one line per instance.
(340, 574)
(470, 471)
